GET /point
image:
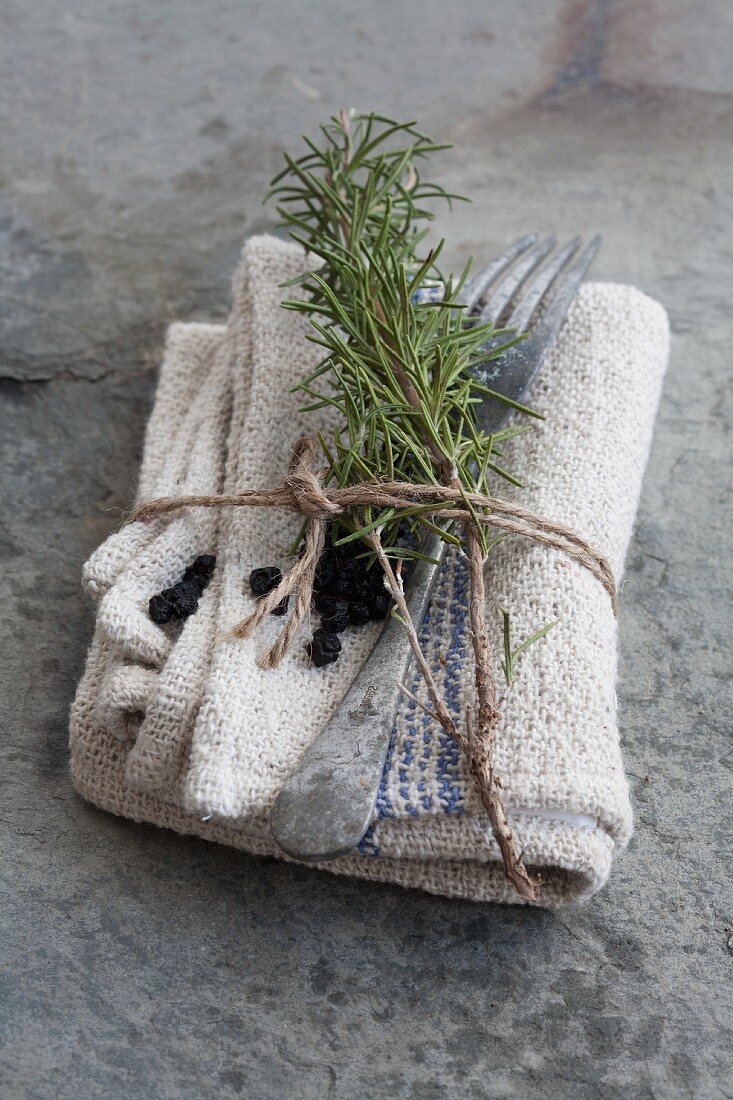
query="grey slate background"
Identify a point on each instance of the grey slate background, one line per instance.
(137, 139)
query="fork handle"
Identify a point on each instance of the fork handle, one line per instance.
(327, 802)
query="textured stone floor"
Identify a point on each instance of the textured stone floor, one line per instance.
(136, 142)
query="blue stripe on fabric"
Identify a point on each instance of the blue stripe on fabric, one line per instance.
(448, 753)
(430, 727)
(426, 748)
(368, 845)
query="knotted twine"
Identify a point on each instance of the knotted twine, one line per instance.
(302, 491)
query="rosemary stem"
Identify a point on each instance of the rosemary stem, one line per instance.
(398, 594)
(481, 745)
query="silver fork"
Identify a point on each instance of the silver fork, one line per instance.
(327, 803)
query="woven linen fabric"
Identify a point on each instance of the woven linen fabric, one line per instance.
(169, 434)
(219, 735)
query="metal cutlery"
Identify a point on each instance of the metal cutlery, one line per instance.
(327, 803)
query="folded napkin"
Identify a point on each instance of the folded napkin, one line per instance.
(189, 733)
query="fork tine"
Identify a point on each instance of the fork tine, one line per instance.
(499, 301)
(567, 287)
(513, 372)
(479, 283)
(522, 314)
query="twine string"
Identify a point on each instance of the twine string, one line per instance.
(303, 492)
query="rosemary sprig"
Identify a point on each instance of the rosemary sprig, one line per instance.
(512, 656)
(397, 364)
(397, 369)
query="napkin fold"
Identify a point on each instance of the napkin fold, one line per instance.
(189, 733)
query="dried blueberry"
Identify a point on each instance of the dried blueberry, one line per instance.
(204, 564)
(375, 580)
(359, 613)
(191, 577)
(336, 616)
(282, 607)
(349, 571)
(200, 571)
(160, 610)
(184, 599)
(379, 604)
(324, 603)
(323, 648)
(345, 551)
(264, 580)
(352, 582)
(326, 570)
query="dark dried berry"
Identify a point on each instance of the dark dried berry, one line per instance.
(184, 599)
(345, 551)
(191, 577)
(160, 610)
(336, 617)
(324, 603)
(352, 583)
(264, 580)
(282, 607)
(379, 605)
(359, 613)
(200, 571)
(365, 585)
(349, 570)
(375, 580)
(323, 648)
(326, 570)
(204, 564)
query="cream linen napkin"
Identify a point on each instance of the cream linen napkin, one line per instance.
(170, 431)
(219, 735)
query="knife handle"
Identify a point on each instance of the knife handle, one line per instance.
(327, 803)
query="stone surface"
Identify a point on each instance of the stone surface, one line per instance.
(137, 142)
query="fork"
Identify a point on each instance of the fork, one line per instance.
(327, 803)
